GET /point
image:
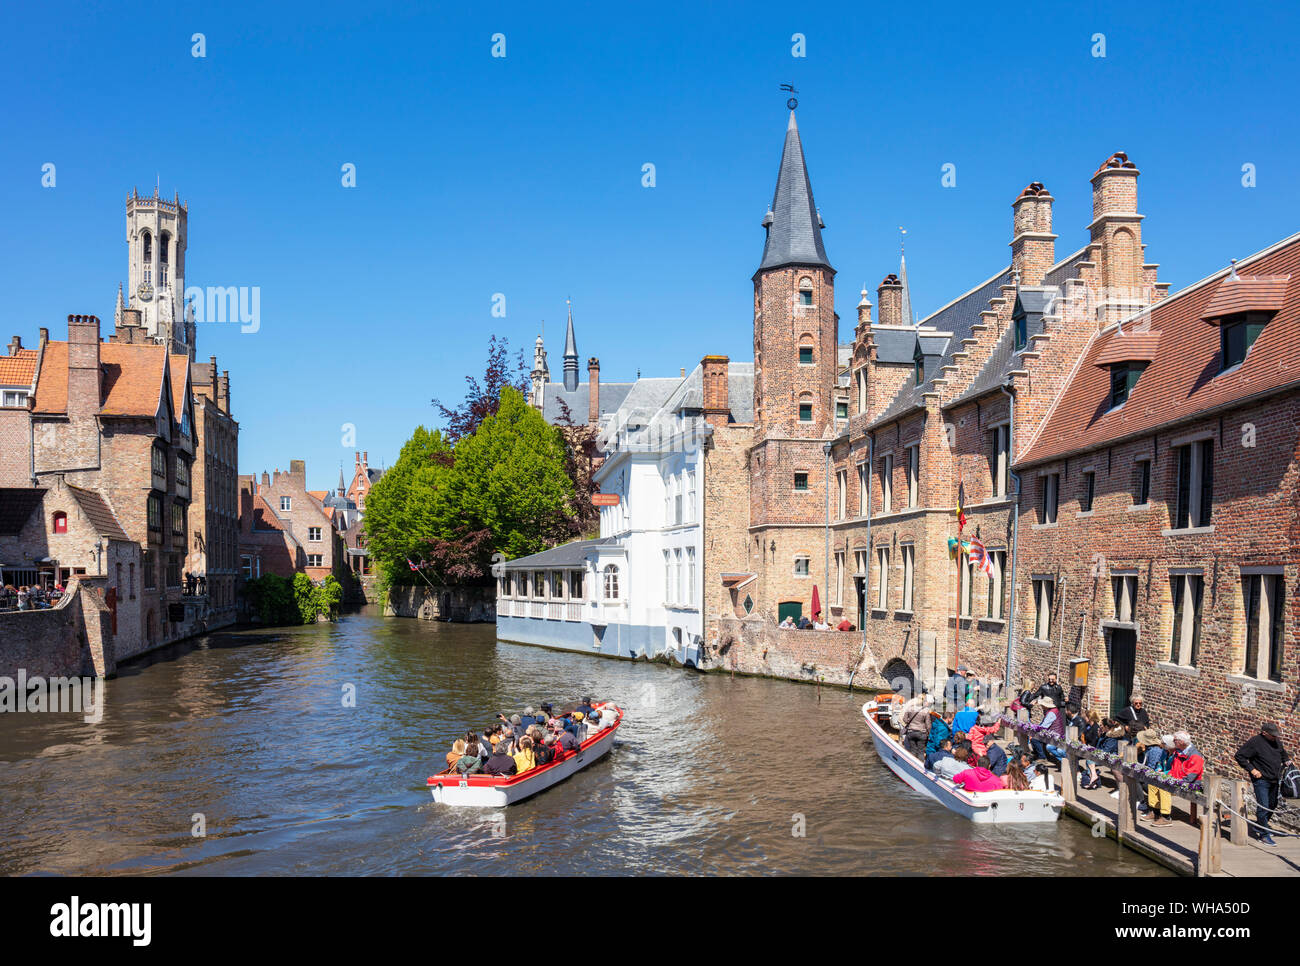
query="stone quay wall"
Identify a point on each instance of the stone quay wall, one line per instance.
(72, 639)
(757, 647)
(464, 605)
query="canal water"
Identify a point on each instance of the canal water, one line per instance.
(247, 737)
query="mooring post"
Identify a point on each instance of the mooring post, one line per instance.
(1240, 830)
(1070, 768)
(1128, 793)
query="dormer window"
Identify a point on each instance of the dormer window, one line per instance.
(1021, 323)
(918, 365)
(1237, 333)
(1123, 377)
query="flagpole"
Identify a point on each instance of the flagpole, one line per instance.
(956, 628)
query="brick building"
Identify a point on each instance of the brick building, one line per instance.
(1160, 519)
(849, 476)
(285, 529)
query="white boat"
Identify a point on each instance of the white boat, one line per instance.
(493, 791)
(995, 806)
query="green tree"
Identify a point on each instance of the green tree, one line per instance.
(401, 515)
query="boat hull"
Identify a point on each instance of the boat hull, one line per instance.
(998, 807)
(487, 791)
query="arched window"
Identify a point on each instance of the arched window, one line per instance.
(60, 522)
(146, 259)
(611, 582)
(164, 243)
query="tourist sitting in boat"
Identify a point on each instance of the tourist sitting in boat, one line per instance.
(950, 768)
(979, 778)
(470, 763)
(544, 750)
(966, 717)
(524, 757)
(565, 740)
(979, 735)
(501, 762)
(585, 707)
(457, 752)
(1014, 780)
(997, 760)
(940, 729)
(943, 751)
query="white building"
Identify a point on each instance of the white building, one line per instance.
(636, 590)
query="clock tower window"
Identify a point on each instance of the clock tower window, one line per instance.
(146, 258)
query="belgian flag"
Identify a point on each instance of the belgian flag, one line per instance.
(961, 503)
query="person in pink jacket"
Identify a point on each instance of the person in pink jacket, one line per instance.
(978, 736)
(979, 778)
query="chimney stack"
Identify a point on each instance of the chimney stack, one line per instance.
(864, 312)
(593, 391)
(83, 365)
(223, 396)
(716, 392)
(889, 296)
(15, 344)
(45, 336)
(1033, 246)
(1116, 246)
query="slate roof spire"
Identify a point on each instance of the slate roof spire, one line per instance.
(793, 223)
(570, 354)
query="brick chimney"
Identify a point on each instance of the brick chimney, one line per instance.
(717, 393)
(212, 375)
(83, 365)
(1116, 247)
(889, 296)
(1033, 246)
(593, 391)
(223, 392)
(45, 336)
(14, 345)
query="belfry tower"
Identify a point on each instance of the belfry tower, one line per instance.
(156, 231)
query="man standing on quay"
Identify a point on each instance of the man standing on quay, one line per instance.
(1264, 759)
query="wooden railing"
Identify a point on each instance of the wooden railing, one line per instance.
(1220, 799)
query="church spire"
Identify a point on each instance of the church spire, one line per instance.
(793, 223)
(570, 353)
(117, 312)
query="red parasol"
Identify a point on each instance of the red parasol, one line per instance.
(816, 603)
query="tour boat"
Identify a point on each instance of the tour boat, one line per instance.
(493, 791)
(995, 806)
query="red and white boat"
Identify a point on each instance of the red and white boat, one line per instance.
(493, 791)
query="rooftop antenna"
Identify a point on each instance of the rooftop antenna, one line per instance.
(792, 103)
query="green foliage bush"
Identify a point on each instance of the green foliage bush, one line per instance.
(279, 602)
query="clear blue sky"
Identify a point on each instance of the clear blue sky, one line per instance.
(522, 175)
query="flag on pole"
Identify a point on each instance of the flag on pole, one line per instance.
(411, 565)
(980, 557)
(961, 503)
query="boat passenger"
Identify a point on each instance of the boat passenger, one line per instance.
(940, 728)
(979, 778)
(501, 762)
(1014, 779)
(943, 751)
(470, 763)
(966, 717)
(524, 757)
(950, 768)
(565, 740)
(997, 760)
(456, 753)
(544, 750)
(916, 724)
(585, 707)
(979, 736)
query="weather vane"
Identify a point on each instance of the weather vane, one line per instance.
(902, 241)
(792, 103)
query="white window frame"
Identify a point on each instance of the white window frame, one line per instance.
(1044, 606)
(609, 581)
(839, 578)
(882, 578)
(887, 483)
(842, 492)
(1049, 506)
(807, 562)
(1271, 581)
(994, 608)
(1123, 586)
(1186, 632)
(1000, 467)
(286, 504)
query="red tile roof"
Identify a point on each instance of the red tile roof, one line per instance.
(1126, 346)
(1254, 294)
(131, 384)
(18, 370)
(1183, 380)
(180, 367)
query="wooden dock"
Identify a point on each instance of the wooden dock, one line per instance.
(1206, 839)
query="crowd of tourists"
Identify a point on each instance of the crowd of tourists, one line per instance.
(956, 742)
(29, 598)
(520, 742)
(814, 624)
